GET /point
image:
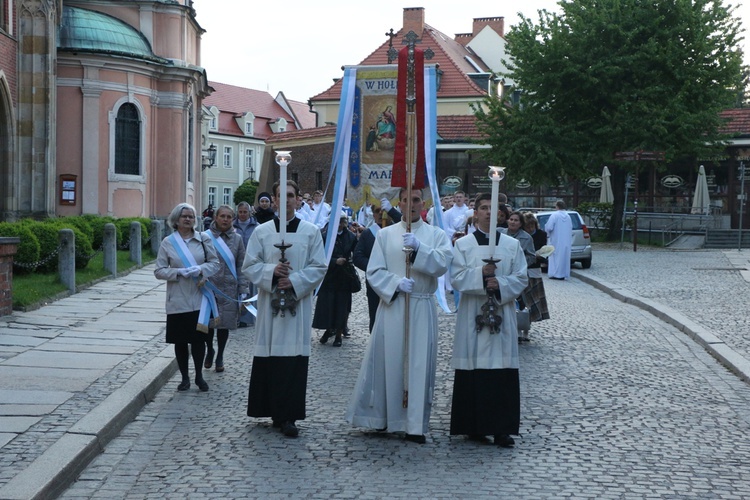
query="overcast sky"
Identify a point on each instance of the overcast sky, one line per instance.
(299, 46)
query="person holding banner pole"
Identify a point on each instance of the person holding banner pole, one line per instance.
(231, 284)
(377, 402)
(186, 259)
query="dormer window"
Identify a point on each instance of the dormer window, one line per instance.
(278, 125)
(213, 122)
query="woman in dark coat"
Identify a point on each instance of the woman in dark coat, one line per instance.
(335, 295)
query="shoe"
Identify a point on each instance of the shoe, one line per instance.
(556, 278)
(242, 324)
(184, 385)
(504, 441)
(289, 429)
(276, 423)
(219, 367)
(209, 359)
(478, 438)
(346, 334)
(337, 341)
(202, 385)
(416, 438)
(326, 335)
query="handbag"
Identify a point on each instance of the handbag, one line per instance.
(355, 284)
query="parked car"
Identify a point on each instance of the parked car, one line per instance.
(581, 249)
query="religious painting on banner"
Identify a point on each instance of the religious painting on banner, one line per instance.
(373, 136)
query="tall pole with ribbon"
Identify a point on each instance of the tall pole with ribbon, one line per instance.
(409, 152)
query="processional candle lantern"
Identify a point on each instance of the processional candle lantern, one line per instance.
(496, 175)
(283, 159)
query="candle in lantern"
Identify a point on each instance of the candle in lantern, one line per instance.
(496, 175)
(283, 158)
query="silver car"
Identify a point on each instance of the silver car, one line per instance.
(581, 249)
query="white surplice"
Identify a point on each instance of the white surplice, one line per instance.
(377, 399)
(559, 230)
(474, 350)
(288, 335)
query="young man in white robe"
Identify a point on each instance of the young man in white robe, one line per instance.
(278, 380)
(377, 402)
(559, 229)
(486, 392)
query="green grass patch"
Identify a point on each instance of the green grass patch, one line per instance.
(31, 289)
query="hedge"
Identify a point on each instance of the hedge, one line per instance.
(28, 250)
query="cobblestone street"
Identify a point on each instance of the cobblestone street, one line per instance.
(615, 403)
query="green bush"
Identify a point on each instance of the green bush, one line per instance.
(84, 251)
(81, 223)
(124, 227)
(48, 238)
(28, 248)
(245, 192)
(97, 223)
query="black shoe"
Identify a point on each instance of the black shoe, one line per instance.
(337, 341)
(478, 438)
(326, 335)
(556, 278)
(219, 365)
(416, 438)
(184, 385)
(242, 324)
(209, 359)
(289, 429)
(202, 385)
(346, 334)
(504, 441)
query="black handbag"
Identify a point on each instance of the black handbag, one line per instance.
(355, 284)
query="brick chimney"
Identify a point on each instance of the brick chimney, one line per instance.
(496, 23)
(463, 38)
(414, 20)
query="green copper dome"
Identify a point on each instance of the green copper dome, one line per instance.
(85, 30)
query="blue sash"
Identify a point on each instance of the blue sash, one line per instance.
(208, 303)
(226, 254)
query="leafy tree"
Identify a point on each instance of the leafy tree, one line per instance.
(614, 75)
(246, 192)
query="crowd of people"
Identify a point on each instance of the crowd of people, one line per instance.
(213, 278)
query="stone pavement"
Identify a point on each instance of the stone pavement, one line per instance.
(614, 402)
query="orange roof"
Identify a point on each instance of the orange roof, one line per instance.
(461, 128)
(738, 121)
(234, 101)
(449, 55)
(308, 133)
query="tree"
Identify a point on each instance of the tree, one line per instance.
(614, 75)
(246, 192)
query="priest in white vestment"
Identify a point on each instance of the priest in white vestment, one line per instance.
(278, 380)
(559, 229)
(486, 394)
(378, 394)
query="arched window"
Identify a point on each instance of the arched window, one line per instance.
(127, 140)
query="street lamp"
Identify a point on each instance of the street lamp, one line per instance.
(208, 157)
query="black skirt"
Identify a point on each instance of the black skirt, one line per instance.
(278, 386)
(332, 309)
(486, 402)
(181, 328)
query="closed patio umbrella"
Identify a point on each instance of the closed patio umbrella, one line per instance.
(606, 195)
(700, 198)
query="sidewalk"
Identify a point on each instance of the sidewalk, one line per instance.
(75, 372)
(72, 375)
